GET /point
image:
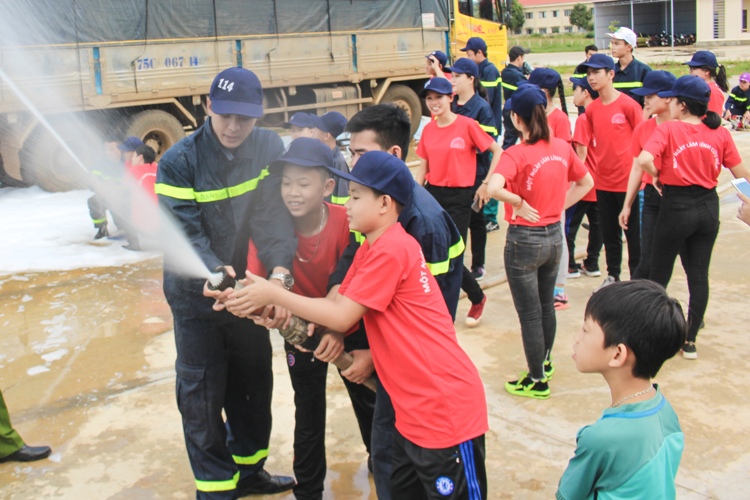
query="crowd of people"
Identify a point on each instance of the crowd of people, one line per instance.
(373, 257)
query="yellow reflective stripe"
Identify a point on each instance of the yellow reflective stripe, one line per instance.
(252, 459)
(438, 268)
(579, 75)
(628, 85)
(491, 84)
(488, 129)
(182, 193)
(339, 200)
(99, 221)
(509, 86)
(456, 250)
(210, 486)
(738, 99)
(358, 237)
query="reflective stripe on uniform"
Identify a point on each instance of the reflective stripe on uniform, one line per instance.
(509, 86)
(99, 221)
(488, 129)
(339, 200)
(210, 486)
(252, 459)
(183, 193)
(737, 98)
(628, 85)
(358, 237)
(491, 84)
(438, 268)
(579, 75)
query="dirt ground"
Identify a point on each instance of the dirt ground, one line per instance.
(87, 366)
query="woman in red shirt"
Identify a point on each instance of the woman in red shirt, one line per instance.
(448, 149)
(692, 151)
(704, 65)
(533, 180)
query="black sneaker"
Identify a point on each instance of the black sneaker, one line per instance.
(689, 351)
(549, 369)
(527, 388)
(478, 273)
(591, 271)
(102, 233)
(263, 483)
(574, 272)
(492, 226)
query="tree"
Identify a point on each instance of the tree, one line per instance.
(582, 17)
(517, 17)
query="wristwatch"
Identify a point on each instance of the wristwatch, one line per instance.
(286, 279)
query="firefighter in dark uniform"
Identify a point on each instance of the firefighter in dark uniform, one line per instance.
(512, 75)
(629, 71)
(217, 186)
(489, 76)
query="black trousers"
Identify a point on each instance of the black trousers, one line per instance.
(457, 202)
(478, 232)
(223, 363)
(457, 472)
(689, 217)
(574, 217)
(610, 204)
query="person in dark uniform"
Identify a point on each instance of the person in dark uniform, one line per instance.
(217, 186)
(512, 75)
(489, 76)
(333, 124)
(629, 71)
(12, 447)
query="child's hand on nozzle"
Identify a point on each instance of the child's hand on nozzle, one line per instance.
(219, 295)
(251, 299)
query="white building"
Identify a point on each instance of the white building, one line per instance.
(545, 17)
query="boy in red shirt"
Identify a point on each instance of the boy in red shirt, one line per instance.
(611, 120)
(437, 394)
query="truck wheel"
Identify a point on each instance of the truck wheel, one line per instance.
(156, 128)
(45, 163)
(406, 99)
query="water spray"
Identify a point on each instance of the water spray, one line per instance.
(295, 332)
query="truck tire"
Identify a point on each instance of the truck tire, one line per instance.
(406, 99)
(45, 163)
(156, 128)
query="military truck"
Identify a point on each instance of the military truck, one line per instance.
(144, 67)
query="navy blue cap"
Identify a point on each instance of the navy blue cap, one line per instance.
(476, 44)
(440, 56)
(306, 152)
(690, 86)
(526, 98)
(384, 172)
(584, 83)
(334, 123)
(305, 120)
(464, 66)
(439, 85)
(655, 82)
(545, 78)
(130, 144)
(703, 58)
(598, 61)
(237, 91)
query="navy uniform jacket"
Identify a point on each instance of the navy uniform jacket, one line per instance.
(512, 76)
(738, 102)
(220, 199)
(341, 189)
(631, 78)
(442, 246)
(491, 81)
(478, 110)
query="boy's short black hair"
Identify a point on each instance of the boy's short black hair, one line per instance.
(378, 193)
(642, 316)
(325, 174)
(149, 155)
(590, 47)
(389, 122)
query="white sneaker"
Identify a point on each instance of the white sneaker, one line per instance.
(607, 281)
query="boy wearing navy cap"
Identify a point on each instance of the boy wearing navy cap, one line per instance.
(303, 124)
(439, 444)
(489, 76)
(333, 124)
(216, 185)
(436, 64)
(611, 120)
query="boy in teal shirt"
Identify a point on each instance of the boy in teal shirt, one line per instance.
(630, 329)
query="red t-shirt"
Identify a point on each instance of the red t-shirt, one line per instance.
(716, 103)
(436, 390)
(582, 136)
(612, 126)
(145, 175)
(641, 135)
(540, 173)
(559, 125)
(311, 278)
(452, 151)
(692, 154)
(143, 207)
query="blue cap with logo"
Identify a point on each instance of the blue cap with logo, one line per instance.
(237, 91)
(383, 172)
(599, 61)
(655, 82)
(439, 85)
(306, 152)
(464, 66)
(440, 56)
(334, 123)
(545, 78)
(476, 44)
(690, 86)
(526, 98)
(130, 144)
(304, 120)
(703, 58)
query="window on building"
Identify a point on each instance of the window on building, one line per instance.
(569, 29)
(567, 12)
(529, 31)
(556, 29)
(543, 14)
(555, 13)
(542, 31)
(529, 15)
(517, 32)
(744, 21)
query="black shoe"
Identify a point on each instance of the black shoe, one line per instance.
(263, 483)
(28, 454)
(102, 233)
(586, 226)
